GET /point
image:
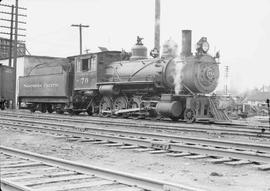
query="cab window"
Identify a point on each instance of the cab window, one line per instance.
(89, 64)
(85, 65)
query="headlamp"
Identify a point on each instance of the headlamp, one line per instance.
(202, 45)
(205, 46)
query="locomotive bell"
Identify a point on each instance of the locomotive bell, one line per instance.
(138, 51)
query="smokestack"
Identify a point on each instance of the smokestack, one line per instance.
(186, 43)
(157, 25)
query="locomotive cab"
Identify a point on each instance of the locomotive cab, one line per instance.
(89, 71)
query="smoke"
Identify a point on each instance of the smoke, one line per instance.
(178, 76)
(170, 51)
(170, 48)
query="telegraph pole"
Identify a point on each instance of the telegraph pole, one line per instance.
(80, 31)
(15, 53)
(268, 105)
(157, 25)
(226, 79)
(11, 36)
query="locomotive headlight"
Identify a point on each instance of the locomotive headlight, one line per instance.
(205, 46)
(202, 46)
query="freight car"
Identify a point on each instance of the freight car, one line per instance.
(107, 83)
(7, 84)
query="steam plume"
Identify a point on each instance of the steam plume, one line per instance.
(178, 76)
(170, 48)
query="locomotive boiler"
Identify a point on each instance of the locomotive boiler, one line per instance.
(176, 87)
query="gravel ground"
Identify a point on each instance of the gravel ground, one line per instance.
(198, 173)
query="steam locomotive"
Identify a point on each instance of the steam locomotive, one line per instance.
(112, 83)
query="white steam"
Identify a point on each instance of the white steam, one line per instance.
(170, 51)
(178, 76)
(170, 48)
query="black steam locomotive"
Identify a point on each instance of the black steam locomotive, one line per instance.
(107, 83)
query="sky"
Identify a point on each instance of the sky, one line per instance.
(239, 29)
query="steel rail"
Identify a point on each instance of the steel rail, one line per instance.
(171, 138)
(164, 122)
(142, 141)
(126, 178)
(188, 128)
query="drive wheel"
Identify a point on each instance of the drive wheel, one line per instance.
(105, 105)
(59, 111)
(189, 115)
(49, 109)
(33, 108)
(136, 102)
(120, 102)
(43, 108)
(94, 107)
(2, 106)
(89, 111)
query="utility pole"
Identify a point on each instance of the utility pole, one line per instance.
(268, 105)
(11, 36)
(157, 25)
(80, 31)
(15, 53)
(226, 79)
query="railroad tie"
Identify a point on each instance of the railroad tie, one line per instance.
(178, 154)
(113, 144)
(76, 186)
(264, 167)
(219, 160)
(86, 140)
(128, 147)
(239, 162)
(158, 152)
(143, 149)
(99, 142)
(197, 156)
(73, 139)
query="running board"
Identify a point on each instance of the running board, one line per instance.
(121, 111)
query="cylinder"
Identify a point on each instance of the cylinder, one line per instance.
(169, 109)
(186, 43)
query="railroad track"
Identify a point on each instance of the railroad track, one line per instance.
(216, 151)
(258, 131)
(26, 171)
(130, 120)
